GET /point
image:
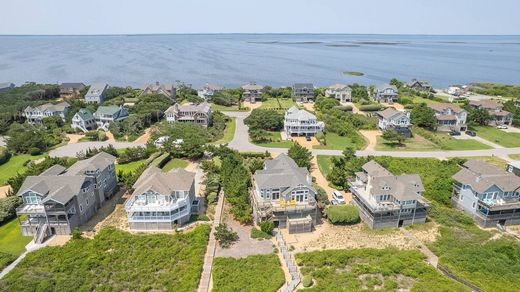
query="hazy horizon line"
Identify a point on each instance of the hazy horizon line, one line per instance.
(254, 33)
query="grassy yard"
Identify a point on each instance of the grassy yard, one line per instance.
(498, 136)
(337, 142)
(277, 141)
(514, 156)
(229, 132)
(424, 140)
(371, 269)
(11, 239)
(175, 163)
(129, 167)
(278, 103)
(253, 273)
(324, 164)
(234, 108)
(114, 260)
(15, 165)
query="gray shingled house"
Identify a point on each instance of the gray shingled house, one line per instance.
(252, 92)
(84, 120)
(283, 193)
(60, 199)
(420, 85)
(199, 114)
(488, 194)
(35, 115)
(301, 123)
(161, 200)
(387, 200)
(96, 93)
(303, 92)
(386, 93)
(168, 90)
(71, 90)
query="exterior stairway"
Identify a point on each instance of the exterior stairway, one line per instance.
(41, 233)
(289, 262)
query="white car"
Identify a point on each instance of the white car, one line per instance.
(338, 197)
(501, 127)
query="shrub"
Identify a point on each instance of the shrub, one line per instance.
(225, 236)
(348, 214)
(212, 198)
(76, 234)
(35, 151)
(8, 208)
(259, 234)
(267, 227)
(102, 136)
(6, 259)
(4, 155)
(307, 281)
(345, 108)
(370, 107)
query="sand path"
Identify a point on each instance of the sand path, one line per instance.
(371, 136)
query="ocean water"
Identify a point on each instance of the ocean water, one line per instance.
(268, 59)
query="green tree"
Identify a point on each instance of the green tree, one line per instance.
(265, 120)
(424, 117)
(479, 116)
(301, 155)
(393, 136)
(396, 83)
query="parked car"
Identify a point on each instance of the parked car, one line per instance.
(502, 127)
(308, 138)
(338, 197)
(333, 202)
(454, 133)
(471, 133)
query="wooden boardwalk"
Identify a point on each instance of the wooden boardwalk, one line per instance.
(205, 280)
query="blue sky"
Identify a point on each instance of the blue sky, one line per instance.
(260, 16)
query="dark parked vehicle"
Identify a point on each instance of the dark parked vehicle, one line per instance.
(454, 133)
(471, 133)
(308, 138)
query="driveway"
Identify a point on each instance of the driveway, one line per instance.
(72, 150)
(464, 136)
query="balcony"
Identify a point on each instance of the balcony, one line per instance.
(151, 218)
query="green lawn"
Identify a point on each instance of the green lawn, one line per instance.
(424, 140)
(324, 164)
(233, 108)
(115, 261)
(370, 269)
(277, 103)
(229, 132)
(175, 163)
(129, 167)
(253, 273)
(14, 165)
(498, 136)
(277, 141)
(514, 156)
(337, 142)
(11, 239)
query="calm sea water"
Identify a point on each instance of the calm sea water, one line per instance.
(275, 59)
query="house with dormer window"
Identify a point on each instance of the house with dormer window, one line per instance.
(60, 199)
(392, 119)
(449, 116)
(387, 200)
(488, 194)
(283, 193)
(160, 200)
(386, 93)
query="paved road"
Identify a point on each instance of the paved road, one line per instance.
(72, 150)
(241, 143)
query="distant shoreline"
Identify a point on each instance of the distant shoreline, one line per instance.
(257, 33)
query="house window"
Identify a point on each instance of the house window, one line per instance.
(86, 201)
(461, 197)
(32, 199)
(81, 208)
(473, 205)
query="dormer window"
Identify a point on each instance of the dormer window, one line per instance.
(386, 188)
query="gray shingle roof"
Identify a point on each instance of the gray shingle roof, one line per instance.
(282, 172)
(252, 86)
(99, 161)
(189, 107)
(382, 87)
(56, 187)
(97, 89)
(155, 179)
(481, 176)
(295, 114)
(390, 112)
(77, 85)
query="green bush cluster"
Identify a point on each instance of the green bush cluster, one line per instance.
(267, 227)
(4, 155)
(236, 180)
(332, 269)
(257, 273)
(307, 281)
(370, 107)
(8, 208)
(259, 234)
(225, 236)
(6, 259)
(114, 261)
(346, 214)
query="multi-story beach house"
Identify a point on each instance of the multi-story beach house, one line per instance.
(386, 93)
(168, 90)
(392, 119)
(283, 193)
(35, 115)
(449, 116)
(341, 92)
(60, 199)
(71, 90)
(252, 92)
(199, 114)
(387, 200)
(303, 92)
(5, 86)
(301, 123)
(495, 109)
(160, 200)
(488, 194)
(108, 114)
(208, 90)
(96, 93)
(84, 120)
(420, 85)
(513, 167)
